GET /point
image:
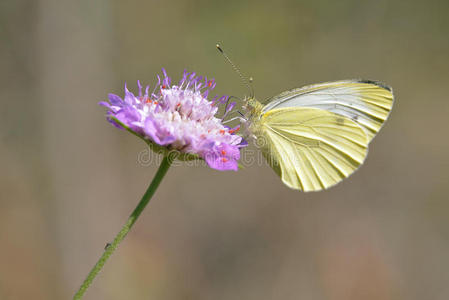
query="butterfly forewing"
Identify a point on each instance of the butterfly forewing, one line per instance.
(367, 103)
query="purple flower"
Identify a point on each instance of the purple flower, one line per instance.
(179, 117)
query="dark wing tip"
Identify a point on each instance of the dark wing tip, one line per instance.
(378, 83)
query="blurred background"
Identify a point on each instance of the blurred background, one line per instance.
(69, 180)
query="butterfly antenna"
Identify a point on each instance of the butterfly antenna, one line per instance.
(247, 82)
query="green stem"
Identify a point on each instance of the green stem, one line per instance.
(165, 164)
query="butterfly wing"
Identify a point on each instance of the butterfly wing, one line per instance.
(368, 103)
(311, 149)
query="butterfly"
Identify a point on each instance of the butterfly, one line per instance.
(315, 136)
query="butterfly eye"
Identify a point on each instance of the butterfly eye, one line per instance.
(250, 104)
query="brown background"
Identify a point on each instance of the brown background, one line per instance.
(69, 180)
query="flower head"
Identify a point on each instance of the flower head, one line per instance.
(179, 117)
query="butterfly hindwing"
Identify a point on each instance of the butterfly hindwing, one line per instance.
(311, 149)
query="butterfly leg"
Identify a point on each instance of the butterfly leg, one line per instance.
(241, 118)
(233, 119)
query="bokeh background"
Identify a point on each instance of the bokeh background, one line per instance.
(69, 180)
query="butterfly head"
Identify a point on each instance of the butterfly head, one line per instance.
(252, 107)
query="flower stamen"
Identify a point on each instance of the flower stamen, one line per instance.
(231, 131)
